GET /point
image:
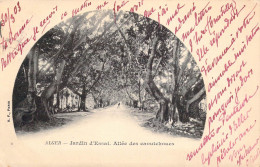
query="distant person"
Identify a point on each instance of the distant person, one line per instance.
(118, 105)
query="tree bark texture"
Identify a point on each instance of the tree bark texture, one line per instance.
(163, 112)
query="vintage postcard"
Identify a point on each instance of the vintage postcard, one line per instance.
(129, 83)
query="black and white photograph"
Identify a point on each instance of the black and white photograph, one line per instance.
(129, 83)
(127, 67)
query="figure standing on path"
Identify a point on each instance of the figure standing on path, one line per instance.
(118, 105)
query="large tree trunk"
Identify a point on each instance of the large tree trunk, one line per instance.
(163, 112)
(45, 97)
(200, 94)
(176, 71)
(24, 112)
(83, 98)
(178, 99)
(186, 94)
(33, 69)
(52, 88)
(50, 104)
(100, 103)
(174, 107)
(183, 115)
(141, 107)
(79, 103)
(95, 100)
(86, 92)
(57, 107)
(49, 92)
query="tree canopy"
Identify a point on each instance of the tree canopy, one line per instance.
(133, 60)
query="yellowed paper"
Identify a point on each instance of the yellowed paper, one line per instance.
(223, 38)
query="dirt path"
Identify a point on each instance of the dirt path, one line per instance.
(105, 126)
